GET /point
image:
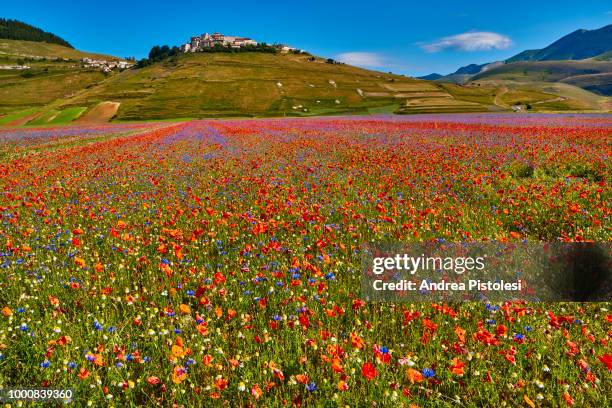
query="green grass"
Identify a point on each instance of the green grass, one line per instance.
(522, 96)
(484, 95)
(56, 117)
(44, 118)
(13, 116)
(68, 115)
(380, 110)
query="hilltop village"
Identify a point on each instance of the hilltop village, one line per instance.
(208, 41)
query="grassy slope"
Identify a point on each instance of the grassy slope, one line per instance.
(42, 85)
(534, 80)
(606, 56)
(54, 73)
(30, 49)
(598, 83)
(549, 71)
(257, 84)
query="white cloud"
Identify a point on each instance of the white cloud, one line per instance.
(364, 59)
(472, 41)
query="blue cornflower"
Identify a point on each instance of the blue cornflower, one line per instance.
(492, 308)
(311, 387)
(428, 372)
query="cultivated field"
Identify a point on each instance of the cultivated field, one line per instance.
(217, 262)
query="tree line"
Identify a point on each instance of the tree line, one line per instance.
(162, 52)
(17, 30)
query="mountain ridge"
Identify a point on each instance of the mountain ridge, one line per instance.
(577, 45)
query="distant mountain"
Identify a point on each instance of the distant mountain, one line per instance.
(17, 30)
(469, 69)
(590, 74)
(580, 44)
(465, 73)
(431, 77)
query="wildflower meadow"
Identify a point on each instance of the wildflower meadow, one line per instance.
(218, 262)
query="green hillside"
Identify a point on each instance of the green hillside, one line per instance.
(16, 49)
(606, 56)
(589, 74)
(53, 72)
(598, 83)
(259, 84)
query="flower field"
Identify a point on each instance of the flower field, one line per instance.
(212, 263)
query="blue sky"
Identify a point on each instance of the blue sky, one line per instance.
(406, 37)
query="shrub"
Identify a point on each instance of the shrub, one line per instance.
(585, 171)
(521, 170)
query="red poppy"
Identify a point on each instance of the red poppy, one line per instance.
(153, 380)
(369, 371)
(607, 360)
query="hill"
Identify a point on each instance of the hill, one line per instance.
(592, 75)
(17, 30)
(47, 73)
(581, 44)
(259, 84)
(19, 50)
